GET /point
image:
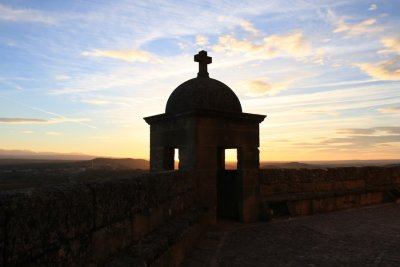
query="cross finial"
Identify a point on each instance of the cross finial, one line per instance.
(203, 60)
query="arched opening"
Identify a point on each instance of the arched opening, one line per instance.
(176, 159)
(228, 184)
(171, 158)
(231, 159)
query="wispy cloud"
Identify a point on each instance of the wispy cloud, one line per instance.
(39, 121)
(262, 87)
(292, 44)
(350, 30)
(25, 15)
(62, 77)
(371, 131)
(383, 70)
(201, 40)
(53, 133)
(59, 118)
(389, 110)
(373, 7)
(248, 27)
(363, 141)
(96, 101)
(126, 55)
(356, 139)
(392, 45)
(318, 111)
(27, 132)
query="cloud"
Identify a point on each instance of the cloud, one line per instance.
(362, 141)
(96, 101)
(248, 27)
(228, 43)
(25, 15)
(392, 45)
(126, 55)
(317, 111)
(28, 132)
(62, 77)
(373, 7)
(351, 30)
(293, 44)
(388, 130)
(201, 40)
(39, 121)
(383, 70)
(53, 133)
(357, 139)
(356, 131)
(389, 110)
(261, 88)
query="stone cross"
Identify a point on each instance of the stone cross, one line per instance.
(203, 60)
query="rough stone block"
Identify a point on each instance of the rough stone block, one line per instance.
(376, 197)
(77, 252)
(397, 180)
(302, 207)
(140, 226)
(250, 209)
(354, 184)
(371, 198)
(345, 202)
(306, 187)
(44, 218)
(317, 205)
(324, 186)
(110, 239)
(117, 200)
(156, 217)
(266, 189)
(330, 204)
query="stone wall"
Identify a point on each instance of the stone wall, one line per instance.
(307, 191)
(85, 224)
(155, 218)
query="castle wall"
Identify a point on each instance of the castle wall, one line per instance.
(154, 218)
(308, 191)
(84, 224)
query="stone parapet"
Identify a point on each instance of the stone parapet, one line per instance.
(85, 224)
(308, 191)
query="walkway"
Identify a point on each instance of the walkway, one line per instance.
(360, 237)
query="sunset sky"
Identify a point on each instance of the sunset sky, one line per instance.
(79, 76)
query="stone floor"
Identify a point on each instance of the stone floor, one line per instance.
(359, 237)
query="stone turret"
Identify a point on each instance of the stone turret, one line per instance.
(203, 118)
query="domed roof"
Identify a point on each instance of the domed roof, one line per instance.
(203, 93)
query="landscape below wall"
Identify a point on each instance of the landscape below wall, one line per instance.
(84, 224)
(299, 192)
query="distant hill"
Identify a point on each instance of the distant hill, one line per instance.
(328, 164)
(97, 163)
(27, 154)
(355, 163)
(287, 165)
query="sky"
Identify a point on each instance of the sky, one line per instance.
(79, 76)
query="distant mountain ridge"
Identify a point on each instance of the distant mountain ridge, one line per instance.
(328, 164)
(27, 157)
(287, 165)
(27, 154)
